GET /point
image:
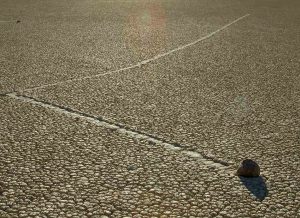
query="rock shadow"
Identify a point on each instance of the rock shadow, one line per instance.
(256, 185)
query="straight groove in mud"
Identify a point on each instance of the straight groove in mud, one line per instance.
(122, 128)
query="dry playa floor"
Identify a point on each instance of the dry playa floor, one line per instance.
(61, 166)
(146, 108)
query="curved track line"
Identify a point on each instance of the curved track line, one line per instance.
(144, 61)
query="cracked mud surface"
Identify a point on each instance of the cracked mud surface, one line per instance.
(57, 166)
(234, 96)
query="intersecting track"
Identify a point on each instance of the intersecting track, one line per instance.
(121, 128)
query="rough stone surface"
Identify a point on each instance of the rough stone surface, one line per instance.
(248, 168)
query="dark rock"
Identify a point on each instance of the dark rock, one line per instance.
(1, 190)
(18, 21)
(248, 168)
(130, 167)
